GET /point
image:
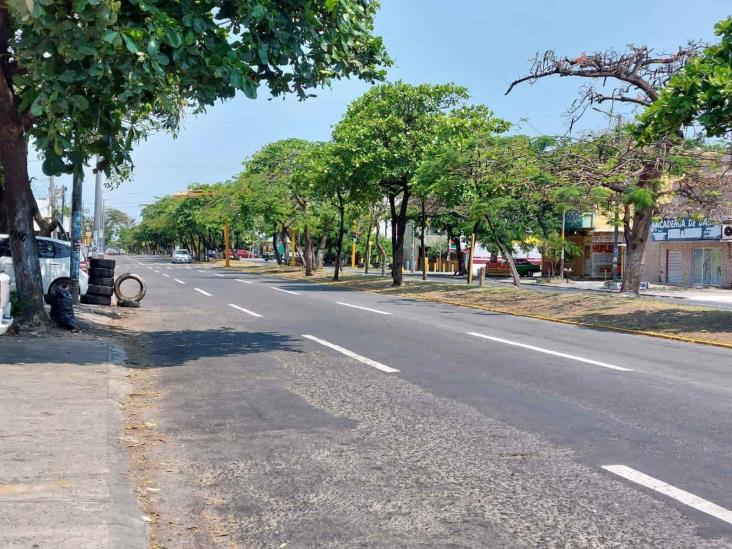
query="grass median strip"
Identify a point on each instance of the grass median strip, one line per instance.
(644, 316)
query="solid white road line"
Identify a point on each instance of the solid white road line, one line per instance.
(179, 281)
(243, 310)
(244, 281)
(166, 275)
(671, 491)
(283, 290)
(204, 292)
(372, 363)
(549, 352)
(362, 308)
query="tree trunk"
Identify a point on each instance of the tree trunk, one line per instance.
(275, 249)
(285, 246)
(321, 246)
(382, 252)
(399, 225)
(504, 250)
(636, 246)
(308, 259)
(339, 240)
(367, 259)
(17, 202)
(636, 235)
(421, 242)
(460, 254)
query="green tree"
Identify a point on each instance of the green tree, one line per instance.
(92, 78)
(700, 93)
(382, 140)
(114, 221)
(278, 165)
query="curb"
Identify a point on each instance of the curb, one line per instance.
(535, 317)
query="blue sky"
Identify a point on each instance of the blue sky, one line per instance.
(480, 44)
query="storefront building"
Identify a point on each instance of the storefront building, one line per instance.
(687, 252)
(592, 234)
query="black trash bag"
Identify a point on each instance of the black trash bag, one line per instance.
(62, 309)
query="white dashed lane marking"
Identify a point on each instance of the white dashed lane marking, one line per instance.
(351, 354)
(283, 290)
(687, 498)
(243, 310)
(204, 292)
(362, 308)
(550, 352)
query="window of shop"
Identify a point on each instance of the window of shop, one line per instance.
(706, 267)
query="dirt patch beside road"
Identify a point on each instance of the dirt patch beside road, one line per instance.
(603, 311)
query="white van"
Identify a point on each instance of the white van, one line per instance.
(54, 257)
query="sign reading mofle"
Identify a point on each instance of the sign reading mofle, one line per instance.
(685, 229)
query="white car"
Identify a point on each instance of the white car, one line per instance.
(54, 257)
(182, 256)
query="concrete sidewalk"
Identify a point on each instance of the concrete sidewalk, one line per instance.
(64, 481)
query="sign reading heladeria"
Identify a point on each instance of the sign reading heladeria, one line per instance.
(686, 229)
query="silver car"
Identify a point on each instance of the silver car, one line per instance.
(182, 256)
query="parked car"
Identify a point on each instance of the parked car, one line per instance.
(526, 267)
(245, 254)
(54, 257)
(182, 256)
(267, 256)
(112, 251)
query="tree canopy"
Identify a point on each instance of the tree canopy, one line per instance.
(700, 93)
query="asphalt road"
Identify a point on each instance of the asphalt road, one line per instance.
(314, 416)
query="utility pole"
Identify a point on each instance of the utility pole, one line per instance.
(98, 230)
(561, 253)
(353, 251)
(52, 197)
(226, 245)
(76, 205)
(63, 206)
(616, 250)
(470, 259)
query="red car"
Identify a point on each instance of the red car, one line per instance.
(243, 254)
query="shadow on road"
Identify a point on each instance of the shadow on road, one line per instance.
(167, 348)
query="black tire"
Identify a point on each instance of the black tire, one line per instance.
(96, 299)
(129, 276)
(55, 286)
(102, 281)
(98, 263)
(105, 291)
(128, 303)
(98, 272)
(529, 273)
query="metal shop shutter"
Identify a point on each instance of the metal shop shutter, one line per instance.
(674, 266)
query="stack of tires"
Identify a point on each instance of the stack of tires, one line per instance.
(101, 282)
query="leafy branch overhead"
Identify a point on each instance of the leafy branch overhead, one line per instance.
(93, 79)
